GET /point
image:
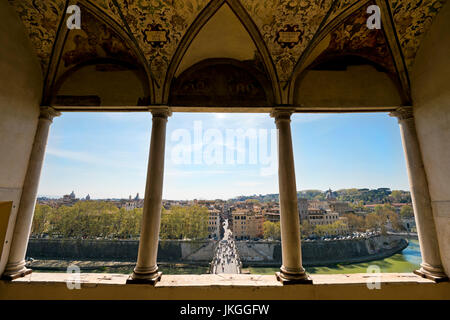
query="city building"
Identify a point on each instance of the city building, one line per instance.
(322, 217)
(214, 223)
(271, 216)
(303, 208)
(69, 199)
(247, 225)
(340, 207)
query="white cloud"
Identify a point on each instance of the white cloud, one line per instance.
(83, 157)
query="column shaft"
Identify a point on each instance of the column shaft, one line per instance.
(292, 270)
(146, 270)
(15, 267)
(431, 266)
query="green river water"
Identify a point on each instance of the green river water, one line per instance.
(406, 261)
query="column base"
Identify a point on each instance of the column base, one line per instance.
(16, 275)
(287, 279)
(151, 279)
(430, 276)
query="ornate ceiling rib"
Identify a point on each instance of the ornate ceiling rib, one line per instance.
(101, 37)
(340, 6)
(247, 22)
(396, 50)
(287, 27)
(352, 38)
(413, 19)
(286, 32)
(185, 42)
(158, 27)
(41, 19)
(341, 12)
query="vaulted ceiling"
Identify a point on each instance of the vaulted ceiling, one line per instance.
(155, 36)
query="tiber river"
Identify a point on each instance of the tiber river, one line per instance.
(406, 261)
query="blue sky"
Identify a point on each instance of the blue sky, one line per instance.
(106, 154)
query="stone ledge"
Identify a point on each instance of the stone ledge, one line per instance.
(223, 279)
(394, 286)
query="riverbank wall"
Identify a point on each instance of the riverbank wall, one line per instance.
(252, 253)
(323, 253)
(119, 250)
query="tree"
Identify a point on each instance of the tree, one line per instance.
(397, 195)
(373, 221)
(396, 223)
(184, 223)
(42, 214)
(271, 230)
(306, 229)
(355, 222)
(406, 212)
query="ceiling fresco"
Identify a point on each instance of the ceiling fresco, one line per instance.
(340, 6)
(159, 27)
(412, 19)
(287, 27)
(95, 40)
(110, 8)
(41, 19)
(354, 38)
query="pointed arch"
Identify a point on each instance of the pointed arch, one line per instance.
(208, 12)
(62, 36)
(321, 34)
(396, 49)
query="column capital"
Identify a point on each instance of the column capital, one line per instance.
(161, 112)
(281, 114)
(48, 113)
(403, 113)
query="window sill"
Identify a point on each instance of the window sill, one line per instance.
(223, 287)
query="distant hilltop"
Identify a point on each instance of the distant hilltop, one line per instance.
(367, 196)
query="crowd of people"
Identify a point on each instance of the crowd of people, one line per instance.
(226, 259)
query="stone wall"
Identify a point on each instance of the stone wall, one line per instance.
(252, 252)
(118, 250)
(20, 96)
(318, 253)
(431, 102)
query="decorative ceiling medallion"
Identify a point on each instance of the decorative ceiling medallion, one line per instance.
(155, 35)
(289, 36)
(287, 27)
(157, 26)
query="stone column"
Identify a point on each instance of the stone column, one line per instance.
(15, 267)
(146, 270)
(431, 266)
(291, 270)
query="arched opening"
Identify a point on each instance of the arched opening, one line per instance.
(221, 83)
(346, 82)
(102, 82)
